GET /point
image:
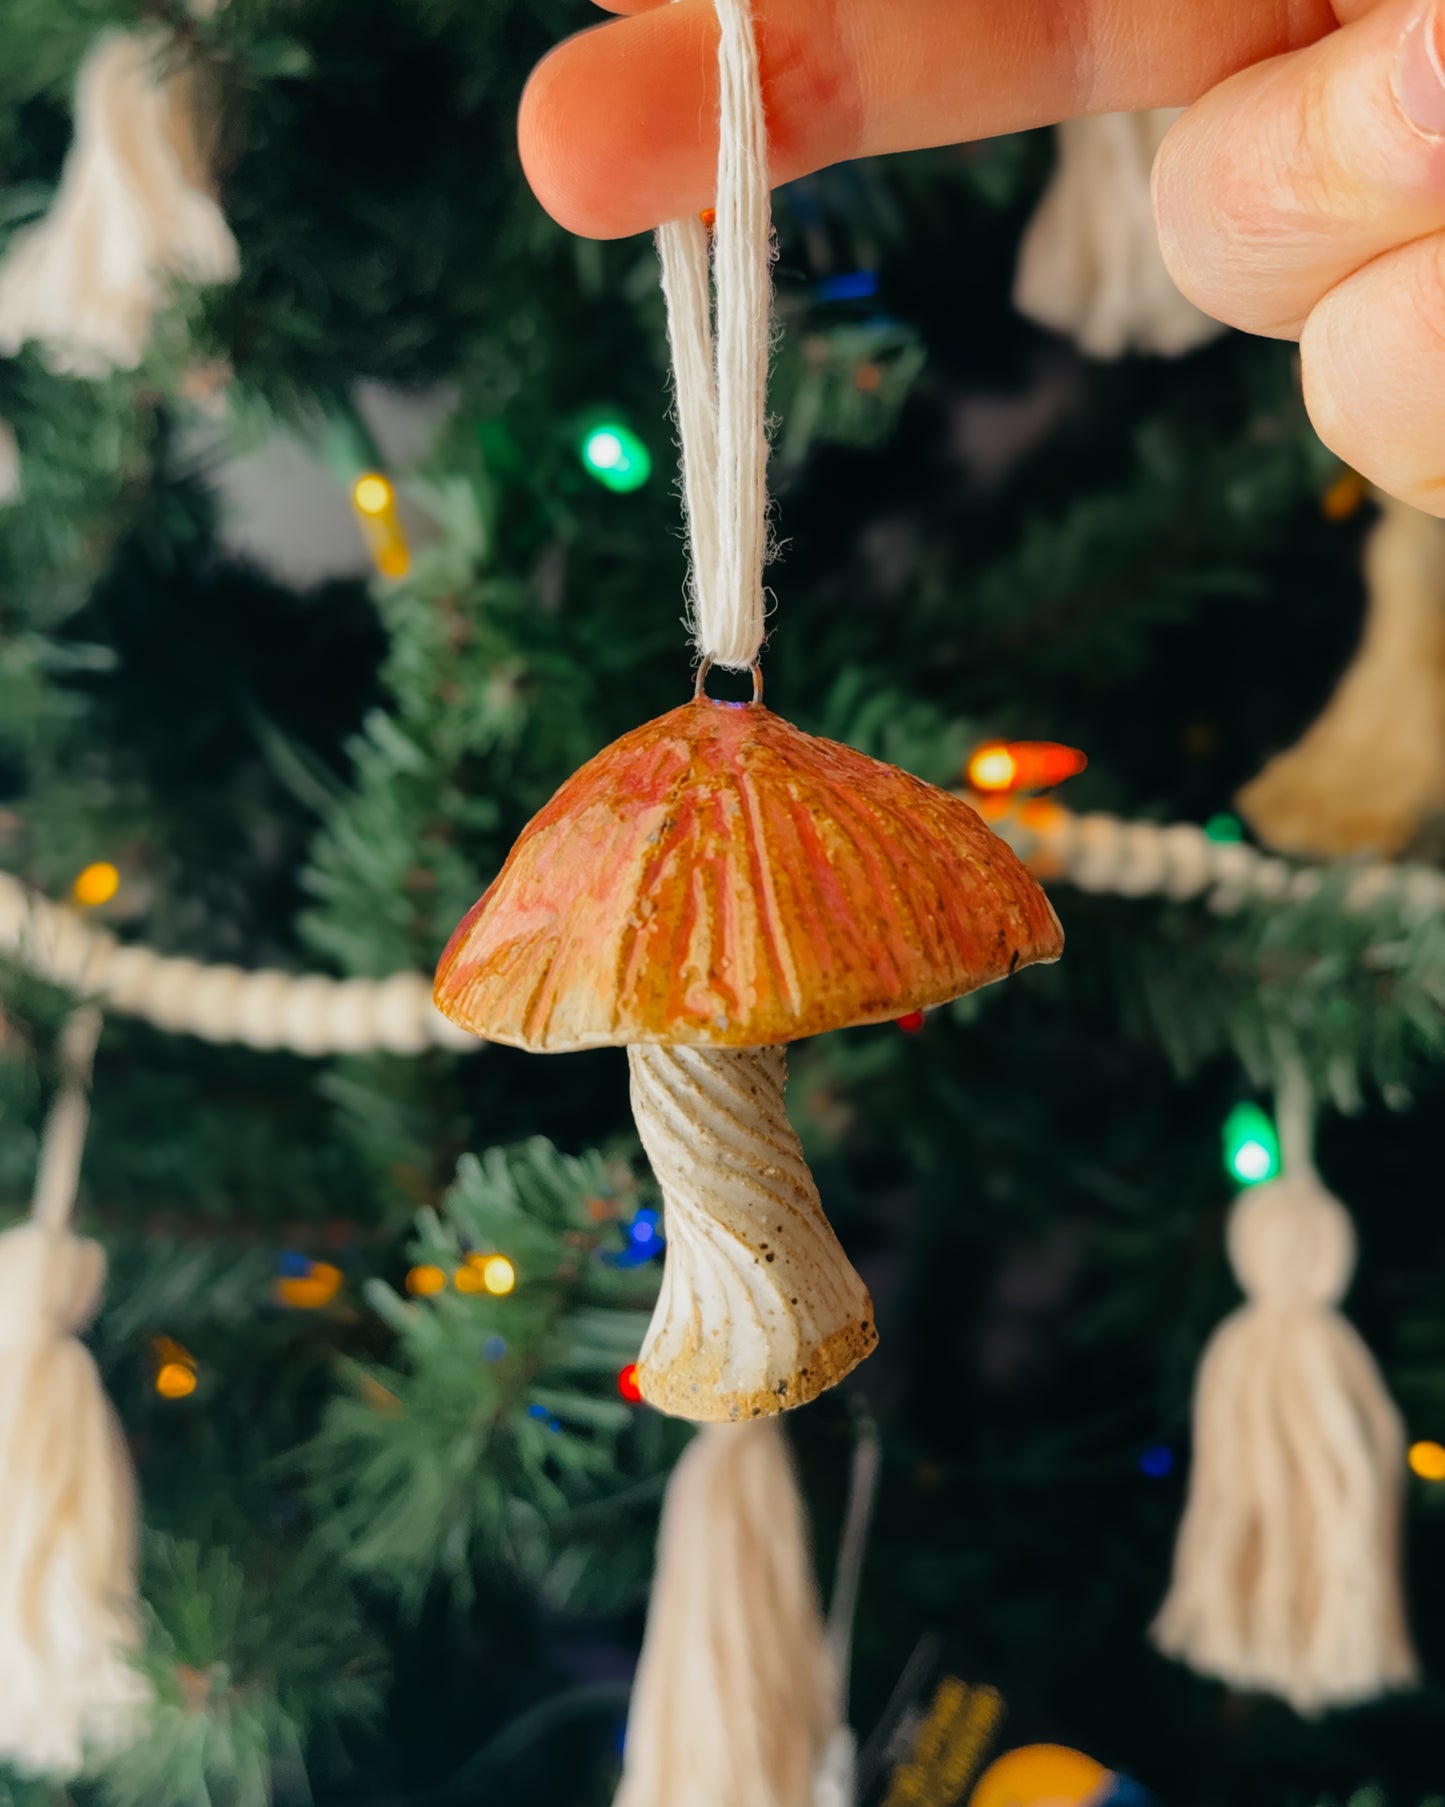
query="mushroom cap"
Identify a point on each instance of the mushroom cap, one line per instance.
(719, 877)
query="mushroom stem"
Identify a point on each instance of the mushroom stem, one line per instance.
(760, 1309)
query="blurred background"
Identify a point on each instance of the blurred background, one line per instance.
(341, 526)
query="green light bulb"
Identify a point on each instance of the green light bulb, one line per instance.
(1224, 828)
(1251, 1147)
(615, 456)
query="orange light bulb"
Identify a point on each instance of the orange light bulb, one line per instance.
(1427, 1460)
(175, 1380)
(1023, 765)
(312, 1290)
(97, 884)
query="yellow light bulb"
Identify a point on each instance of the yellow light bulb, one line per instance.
(372, 494)
(498, 1275)
(96, 885)
(992, 769)
(426, 1280)
(468, 1278)
(1428, 1461)
(175, 1380)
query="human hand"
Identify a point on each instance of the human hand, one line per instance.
(1302, 197)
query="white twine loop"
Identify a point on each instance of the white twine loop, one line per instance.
(1290, 1241)
(1294, 1109)
(720, 381)
(58, 1173)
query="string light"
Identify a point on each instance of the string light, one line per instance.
(912, 1023)
(493, 1349)
(1344, 496)
(1023, 765)
(628, 1385)
(644, 1240)
(992, 768)
(1156, 1461)
(851, 285)
(642, 1232)
(372, 494)
(425, 1281)
(96, 885)
(1225, 829)
(176, 1376)
(1427, 1460)
(492, 1274)
(498, 1276)
(313, 1288)
(616, 457)
(1251, 1147)
(374, 499)
(174, 1380)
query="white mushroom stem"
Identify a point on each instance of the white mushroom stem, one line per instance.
(759, 1309)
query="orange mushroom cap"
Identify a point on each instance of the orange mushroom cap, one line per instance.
(717, 876)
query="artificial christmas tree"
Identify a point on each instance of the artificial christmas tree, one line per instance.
(377, 1292)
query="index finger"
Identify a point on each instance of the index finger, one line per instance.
(618, 125)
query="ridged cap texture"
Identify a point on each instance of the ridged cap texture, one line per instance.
(718, 877)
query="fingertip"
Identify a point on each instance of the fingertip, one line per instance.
(611, 123)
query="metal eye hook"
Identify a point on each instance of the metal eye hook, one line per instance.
(699, 691)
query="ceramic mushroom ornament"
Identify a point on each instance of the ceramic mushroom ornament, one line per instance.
(717, 884)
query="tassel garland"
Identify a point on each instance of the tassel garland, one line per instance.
(132, 215)
(736, 1698)
(1287, 1570)
(1369, 776)
(68, 1628)
(1090, 265)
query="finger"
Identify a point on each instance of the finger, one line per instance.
(1279, 183)
(1373, 357)
(618, 126)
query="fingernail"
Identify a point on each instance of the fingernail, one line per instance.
(1420, 72)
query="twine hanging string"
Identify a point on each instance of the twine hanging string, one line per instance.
(720, 363)
(58, 1172)
(1294, 1109)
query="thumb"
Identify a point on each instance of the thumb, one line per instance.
(1292, 175)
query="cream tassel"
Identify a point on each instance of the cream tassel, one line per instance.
(759, 1308)
(736, 1698)
(1090, 264)
(1370, 774)
(131, 216)
(68, 1627)
(1287, 1571)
